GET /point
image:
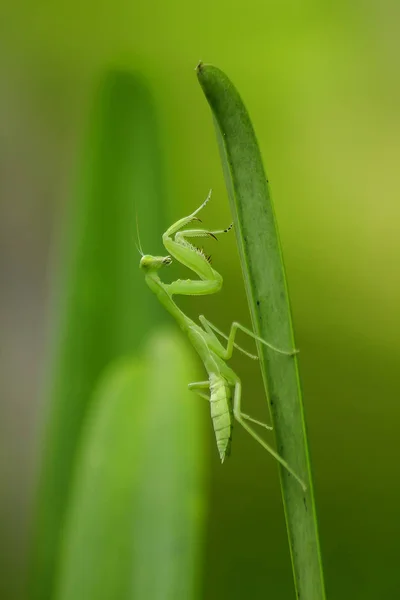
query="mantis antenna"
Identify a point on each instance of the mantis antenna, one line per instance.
(138, 243)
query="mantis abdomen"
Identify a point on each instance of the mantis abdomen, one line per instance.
(221, 413)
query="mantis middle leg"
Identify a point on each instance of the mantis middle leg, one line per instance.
(226, 353)
(216, 345)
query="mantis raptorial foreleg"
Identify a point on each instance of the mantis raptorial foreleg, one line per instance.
(210, 280)
(186, 220)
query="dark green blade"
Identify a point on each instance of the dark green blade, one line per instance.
(265, 281)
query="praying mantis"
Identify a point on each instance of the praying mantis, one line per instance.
(223, 388)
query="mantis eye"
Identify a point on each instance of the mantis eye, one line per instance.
(167, 260)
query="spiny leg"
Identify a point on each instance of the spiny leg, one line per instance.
(180, 236)
(193, 258)
(218, 347)
(242, 420)
(227, 354)
(185, 220)
(198, 386)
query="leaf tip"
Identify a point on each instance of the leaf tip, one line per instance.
(199, 67)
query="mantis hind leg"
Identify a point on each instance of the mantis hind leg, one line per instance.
(241, 418)
(257, 422)
(226, 353)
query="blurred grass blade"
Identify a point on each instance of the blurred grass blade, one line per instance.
(102, 309)
(135, 517)
(264, 275)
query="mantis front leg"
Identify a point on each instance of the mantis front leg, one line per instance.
(177, 245)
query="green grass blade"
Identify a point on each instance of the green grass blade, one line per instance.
(103, 309)
(264, 275)
(136, 512)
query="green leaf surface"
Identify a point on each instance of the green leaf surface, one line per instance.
(133, 528)
(265, 282)
(102, 309)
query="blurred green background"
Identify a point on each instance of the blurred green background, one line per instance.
(322, 86)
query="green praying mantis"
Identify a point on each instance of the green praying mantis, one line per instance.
(223, 389)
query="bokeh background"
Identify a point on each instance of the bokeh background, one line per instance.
(321, 82)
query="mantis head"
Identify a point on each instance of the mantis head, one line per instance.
(153, 263)
(148, 262)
